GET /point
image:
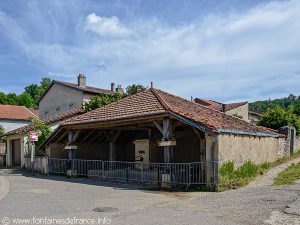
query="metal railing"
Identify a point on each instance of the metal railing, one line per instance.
(170, 173)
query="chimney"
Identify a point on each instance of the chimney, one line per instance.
(223, 107)
(119, 89)
(112, 86)
(81, 80)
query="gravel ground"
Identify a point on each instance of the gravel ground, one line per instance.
(59, 197)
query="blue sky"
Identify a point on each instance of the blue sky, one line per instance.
(226, 50)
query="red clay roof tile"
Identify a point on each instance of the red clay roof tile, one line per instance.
(153, 101)
(50, 120)
(14, 112)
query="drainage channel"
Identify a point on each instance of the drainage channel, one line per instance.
(105, 209)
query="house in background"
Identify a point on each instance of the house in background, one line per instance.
(255, 115)
(238, 109)
(62, 96)
(13, 117)
(17, 140)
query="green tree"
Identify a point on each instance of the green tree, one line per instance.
(26, 100)
(42, 129)
(278, 117)
(134, 88)
(286, 103)
(45, 82)
(2, 132)
(296, 108)
(35, 90)
(32, 90)
(100, 101)
(12, 99)
(3, 98)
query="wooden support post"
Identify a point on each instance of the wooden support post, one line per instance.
(112, 144)
(87, 137)
(112, 151)
(70, 140)
(62, 137)
(167, 131)
(76, 136)
(96, 137)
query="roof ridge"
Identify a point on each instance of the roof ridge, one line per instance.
(199, 106)
(160, 99)
(30, 111)
(194, 103)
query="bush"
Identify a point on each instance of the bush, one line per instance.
(278, 117)
(231, 178)
(248, 169)
(227, 169)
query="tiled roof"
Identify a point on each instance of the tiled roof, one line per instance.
(256, 113)
(143, 103)
(218, 105)
(14, 112)
(50, 120)
(35, 111)
(154, 101)
(88, 89)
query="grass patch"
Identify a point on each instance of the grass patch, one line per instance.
(233, 178)
(289, 175)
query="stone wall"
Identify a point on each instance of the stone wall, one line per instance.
(297, 143)
(241, 148)
(241, 110)
(40, 164)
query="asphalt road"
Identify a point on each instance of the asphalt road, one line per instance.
(40, 199)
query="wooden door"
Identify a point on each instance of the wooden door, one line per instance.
(16, 152)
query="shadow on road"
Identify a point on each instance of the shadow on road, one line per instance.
(18, 171)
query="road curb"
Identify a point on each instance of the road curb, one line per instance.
(4, 187)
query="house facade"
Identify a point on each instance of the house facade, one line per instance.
(17, 141)
(62, 96)
(13, 117)
(238, 109)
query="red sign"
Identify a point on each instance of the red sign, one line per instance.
(33, 136)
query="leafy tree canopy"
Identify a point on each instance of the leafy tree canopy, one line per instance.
(42, 129)
(29, 98)
(290, 103)
(278, 117)
(100, 101)
(135, 88)
(104, 99)
(26, 100)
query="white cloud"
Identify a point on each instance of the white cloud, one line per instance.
(107, 27)
(242, 56)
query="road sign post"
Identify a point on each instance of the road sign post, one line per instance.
(33, 137)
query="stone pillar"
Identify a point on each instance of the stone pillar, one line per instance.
(167, 135)
(71, 148)
(8, 153)
(290, 132)
(211, 155)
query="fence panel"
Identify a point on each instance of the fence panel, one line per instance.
(59, 166)
(171, 173)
